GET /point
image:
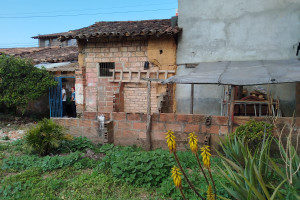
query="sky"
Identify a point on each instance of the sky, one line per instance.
(22, 19)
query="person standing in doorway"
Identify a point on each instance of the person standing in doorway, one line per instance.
(73, 99)
(64, 100)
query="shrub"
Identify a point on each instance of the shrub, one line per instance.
(21, 81)
(253, 132)
(46, 137)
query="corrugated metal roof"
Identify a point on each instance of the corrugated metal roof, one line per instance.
(241, 73)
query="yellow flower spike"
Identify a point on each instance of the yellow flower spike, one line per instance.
(176, 175)
(206, 156)
(171, 141)
(210, 194)
(193, 142)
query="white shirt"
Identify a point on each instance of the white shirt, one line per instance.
(63, 91)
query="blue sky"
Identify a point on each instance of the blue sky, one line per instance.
(21, 19)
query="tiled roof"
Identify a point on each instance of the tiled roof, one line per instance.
(124, 28)
(48, 54)
(46, 36)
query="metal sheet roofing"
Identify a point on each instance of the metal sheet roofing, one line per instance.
(241, 73)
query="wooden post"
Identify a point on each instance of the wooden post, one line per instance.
(148, 131)
(192, 99)
(231, 109)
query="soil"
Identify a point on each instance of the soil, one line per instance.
(13, 128)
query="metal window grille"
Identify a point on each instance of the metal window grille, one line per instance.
(105, 67)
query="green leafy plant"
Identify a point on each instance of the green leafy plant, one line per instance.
(253, 132)
(136, 167)
(46, 163)
(21, 82)
(76, 144)
(255, 174)
(46, 137)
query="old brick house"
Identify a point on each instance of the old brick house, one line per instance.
(114, 57)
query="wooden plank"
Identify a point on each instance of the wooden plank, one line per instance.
(192, 99)
(231, 109)
(148, 126)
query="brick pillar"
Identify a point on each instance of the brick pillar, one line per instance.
(80, 79)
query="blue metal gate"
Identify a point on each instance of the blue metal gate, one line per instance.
(55, 98)
(55, 101)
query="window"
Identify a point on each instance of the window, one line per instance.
(71, 42)
(105, 67)
(47, 43)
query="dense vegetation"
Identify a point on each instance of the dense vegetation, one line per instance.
(124, 173)
(21, 82)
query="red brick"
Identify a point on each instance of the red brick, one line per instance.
(185, 118)
(224, 130)
(191, 128)
(220, 120)
(199, 119)
(141, 134)
(71, 122)
(144, 117)
(90, 115)
(119, 116)
(129, 133)
(240, 120)
(159, 135)
(133, 116)
(95, 124)
(91, 132)
(174, 127)
(85, 123)
(158, 126)
(118, 133)
(214, 129)
(167, 117)
(139, 126)
(125, 125)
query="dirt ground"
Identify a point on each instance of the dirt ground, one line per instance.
(13, 128)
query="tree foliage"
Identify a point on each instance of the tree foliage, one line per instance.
(21, 81)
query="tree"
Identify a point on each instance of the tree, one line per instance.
(21, 81)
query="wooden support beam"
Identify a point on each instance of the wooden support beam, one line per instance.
(148, 127)
(231, 108)
(192, 99)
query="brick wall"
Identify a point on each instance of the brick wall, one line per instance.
(130, 128)
(81, 127)
(127, 53)
(135, 98)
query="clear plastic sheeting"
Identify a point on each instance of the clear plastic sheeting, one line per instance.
(241, 73)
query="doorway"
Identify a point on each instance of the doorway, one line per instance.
(55, 97)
